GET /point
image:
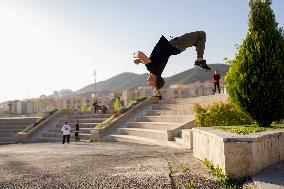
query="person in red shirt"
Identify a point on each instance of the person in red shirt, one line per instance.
(216, 79)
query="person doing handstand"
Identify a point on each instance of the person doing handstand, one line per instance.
(161, 53)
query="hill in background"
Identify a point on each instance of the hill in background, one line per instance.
(129, 80)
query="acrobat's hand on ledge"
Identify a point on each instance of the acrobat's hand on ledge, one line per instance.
(142, 58)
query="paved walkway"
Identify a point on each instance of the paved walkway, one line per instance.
(271, 177)
(100, 165)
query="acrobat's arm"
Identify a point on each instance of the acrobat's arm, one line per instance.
(140, 57)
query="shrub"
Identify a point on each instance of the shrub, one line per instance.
(243, 130)
(219, 114)
(223, 179)
(117, 105)
(255, 80)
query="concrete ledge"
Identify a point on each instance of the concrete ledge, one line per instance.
(187, 138)
(238, 155)
(23, 137)
(97, 133)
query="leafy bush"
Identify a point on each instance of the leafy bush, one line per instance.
(243, 130)
(255, 80)
(219, 114)
(120, 112)
(247, 129)
(117, 105)
(223, 179)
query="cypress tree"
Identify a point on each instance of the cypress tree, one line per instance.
(255, 81)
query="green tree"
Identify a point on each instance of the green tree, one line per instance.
(117, 105)
(255, 81)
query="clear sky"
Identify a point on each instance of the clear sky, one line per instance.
(48, 45)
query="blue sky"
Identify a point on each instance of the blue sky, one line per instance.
(49, 45)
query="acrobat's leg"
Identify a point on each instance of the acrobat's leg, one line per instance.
(196, 39)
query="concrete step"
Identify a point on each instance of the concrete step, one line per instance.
(7, 135)
(84, 120)
(20, 119)
(171, 119)
(176, 101)
(10, 130)
(82, 130)
(168, 112)
(85, 116)
(141, 140)
(59, 135)
(13, 126)
(172, 106)
(153, 125)
(49, 139)
(82, 125)
(178, 140)
(147, 133)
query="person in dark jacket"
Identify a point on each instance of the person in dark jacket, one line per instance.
(216, 79)
(161, 53)
(77, 128)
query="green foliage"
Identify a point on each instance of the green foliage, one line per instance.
(223, 179)
(122, 110)
(219, 114)
(106, 122)
(243, 130)
(247, 129)
(117, 105)
(131, 105)
(84, 108)
(191, 185)
(88, 109)
(35, 124)
(255, 80)
(184, 168)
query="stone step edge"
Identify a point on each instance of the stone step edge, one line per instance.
(82, 134)
(60, 139)
(148, 141)
(154, 122)
(170, 116)
(144, 130)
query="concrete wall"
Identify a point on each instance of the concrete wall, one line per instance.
(187, 138)
(239, 155)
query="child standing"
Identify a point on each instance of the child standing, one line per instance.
(77, 128)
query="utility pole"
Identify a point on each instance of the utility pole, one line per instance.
(95, 76)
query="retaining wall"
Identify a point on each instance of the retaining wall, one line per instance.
(238, 155)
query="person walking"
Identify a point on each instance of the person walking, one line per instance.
(66, 131)
(77, 128)
(161, 53)
(216, 79)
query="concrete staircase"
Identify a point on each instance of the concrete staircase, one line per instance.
(161, 124)
(86, 121)
(9, 127)
(154, 123)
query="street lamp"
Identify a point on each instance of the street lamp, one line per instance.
(95, 76)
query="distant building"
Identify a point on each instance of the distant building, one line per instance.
(64, 93)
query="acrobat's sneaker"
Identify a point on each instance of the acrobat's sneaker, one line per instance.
(202, 64)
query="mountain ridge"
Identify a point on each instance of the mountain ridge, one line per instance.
(129, 80)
